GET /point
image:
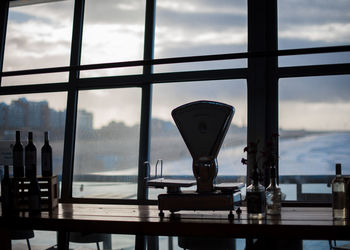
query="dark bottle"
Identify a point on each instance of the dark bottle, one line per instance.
(30, 157)
(46, 157)
(34, 196)
(339, 194)
(18, 157)
(6, 196)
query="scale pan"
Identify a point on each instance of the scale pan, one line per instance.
(203, 126)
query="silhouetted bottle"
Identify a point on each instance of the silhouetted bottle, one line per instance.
(18, 157)
(273, 195)
(255, 196)
(30, 157)
(34, 196)
(46, 157)
(339, 194)
(6, 196)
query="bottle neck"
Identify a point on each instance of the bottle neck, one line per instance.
(46, 138)
(30, 137)
(6, 174)
(18, 137)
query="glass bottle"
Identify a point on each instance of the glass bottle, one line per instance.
(6, 196)
(34, 196)
(273, 195)
(18, 157)
(30, 157)
(339, 190)
(255, 196)
(46, 157)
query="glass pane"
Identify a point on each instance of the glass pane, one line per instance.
(107, 144)
(37, 113)
(38, 36)
(113, 32)
(167, 143)
(314, 129)
(303, 24)
(314, 23)
(197, 27)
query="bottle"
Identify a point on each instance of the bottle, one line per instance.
(30, 157)
(18, 157)
(339, 191)
(34, 196)
(255, 196)
(273, 195)
(46, 157)
(6, 196)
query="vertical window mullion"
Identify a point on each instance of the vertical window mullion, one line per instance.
(72, 101)
(146, 102)
(262, 76)
(4, 9)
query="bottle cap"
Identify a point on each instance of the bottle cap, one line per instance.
(338, 169)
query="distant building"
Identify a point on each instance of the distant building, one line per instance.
(57, 119)
(85, 120)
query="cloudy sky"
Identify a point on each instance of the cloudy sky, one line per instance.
(39, 36)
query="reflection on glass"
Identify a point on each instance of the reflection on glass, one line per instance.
(38, 36)
(37, 113)
(192, 28)
(314, 127)
(113, 32)
(166, 141)
(106, 148)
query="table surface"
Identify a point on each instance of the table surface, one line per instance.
(294, 222)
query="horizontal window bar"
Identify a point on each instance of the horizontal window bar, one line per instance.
(314, 70)
(33, 88)
(187, 59)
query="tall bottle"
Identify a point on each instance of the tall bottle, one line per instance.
(34, 196)
(30, 157)
(273, 195)
(255, 196)
(18, 157)
(46, 157)
(6, 196)
(339, 191)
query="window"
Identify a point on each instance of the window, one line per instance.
(200, 52)
(38, 36)
(107, 142)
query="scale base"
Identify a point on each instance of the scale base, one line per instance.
(198, 201)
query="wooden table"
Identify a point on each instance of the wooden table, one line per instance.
(295, 223)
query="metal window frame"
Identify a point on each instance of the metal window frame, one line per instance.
(262, 75)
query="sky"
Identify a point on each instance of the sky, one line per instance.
(39, 37)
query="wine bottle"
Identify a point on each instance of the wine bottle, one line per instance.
(34, 196)
(273, 195)
(18, 157)
(46, 157)
(339, 195)
(30, 157)
(6, 196)
(255, 196)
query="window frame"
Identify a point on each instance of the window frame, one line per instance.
(261, 74)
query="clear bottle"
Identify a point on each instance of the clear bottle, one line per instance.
(18, 157)
(46, 157)
(339, 191)
(273, 195)
(255, 197)
(30, 157)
